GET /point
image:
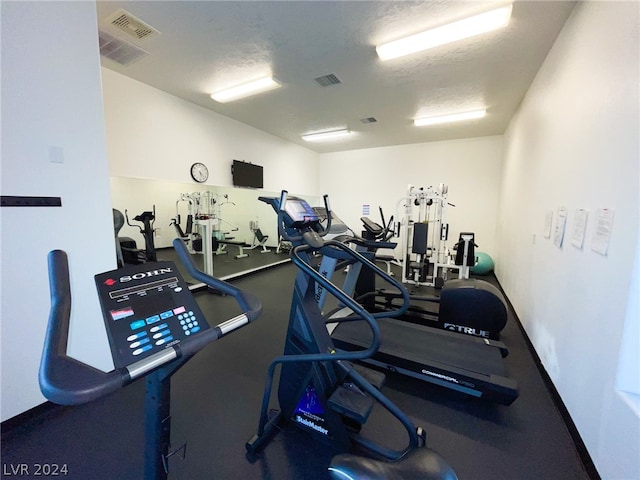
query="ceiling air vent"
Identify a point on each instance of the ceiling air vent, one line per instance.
(368, 120)
(328, 80)
(118, 50)
(131, 25)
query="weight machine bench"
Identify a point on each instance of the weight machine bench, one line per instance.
(261, 241)
(222, 244)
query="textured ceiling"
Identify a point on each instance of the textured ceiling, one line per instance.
(208, 45)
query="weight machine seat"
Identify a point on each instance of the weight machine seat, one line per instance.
(387, 259)
(179, 230)
(420, 237)
(262, 238)
(418, 464)
(459, 248)
(238, 243)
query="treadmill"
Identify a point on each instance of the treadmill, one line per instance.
(471, 365)
(467, 364)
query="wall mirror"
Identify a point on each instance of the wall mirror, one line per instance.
(239, 213)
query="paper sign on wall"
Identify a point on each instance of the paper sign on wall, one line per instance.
(602, 231)
(579, 228)
(561, 224)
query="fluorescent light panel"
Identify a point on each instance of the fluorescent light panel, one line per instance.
(468, 27)
(246, 90)
(311, 137)
(455, 117)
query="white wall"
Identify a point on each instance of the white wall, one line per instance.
(379, 177)
(574, 143)
(151, 134)
(51, 96)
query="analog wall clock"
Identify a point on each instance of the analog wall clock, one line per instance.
(199, 172)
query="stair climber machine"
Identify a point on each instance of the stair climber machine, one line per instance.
(154, 326)
(319, 390)
(465, 305)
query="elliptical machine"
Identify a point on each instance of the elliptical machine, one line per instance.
(146, 218)
(319, 390)
(127, 250)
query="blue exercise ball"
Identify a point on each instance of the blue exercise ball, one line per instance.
(484, 264)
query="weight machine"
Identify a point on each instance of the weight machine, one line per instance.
(221, 236)
(201, 224)
(425, 257)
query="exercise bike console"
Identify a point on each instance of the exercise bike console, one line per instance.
(147, 308)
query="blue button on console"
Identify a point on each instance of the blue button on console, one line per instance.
(137, 324)
(135, 336)
(143, 349)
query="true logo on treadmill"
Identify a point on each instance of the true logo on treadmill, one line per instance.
(467, 330)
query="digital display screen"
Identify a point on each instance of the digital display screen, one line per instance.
(143, 306)
(300, 211)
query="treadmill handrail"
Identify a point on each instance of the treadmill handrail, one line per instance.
(68, 381)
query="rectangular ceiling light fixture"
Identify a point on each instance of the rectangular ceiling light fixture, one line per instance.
(456, 117)
(311, 137)
(246, 90)
(465, 28)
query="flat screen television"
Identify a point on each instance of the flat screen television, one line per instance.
(246, 174)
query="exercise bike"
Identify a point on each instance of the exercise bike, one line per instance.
(319, 390)
(154, 327)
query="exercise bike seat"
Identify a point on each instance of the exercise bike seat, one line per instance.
(418, 464)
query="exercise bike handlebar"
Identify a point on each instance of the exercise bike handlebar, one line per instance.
(249, 303)
(67, 381)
